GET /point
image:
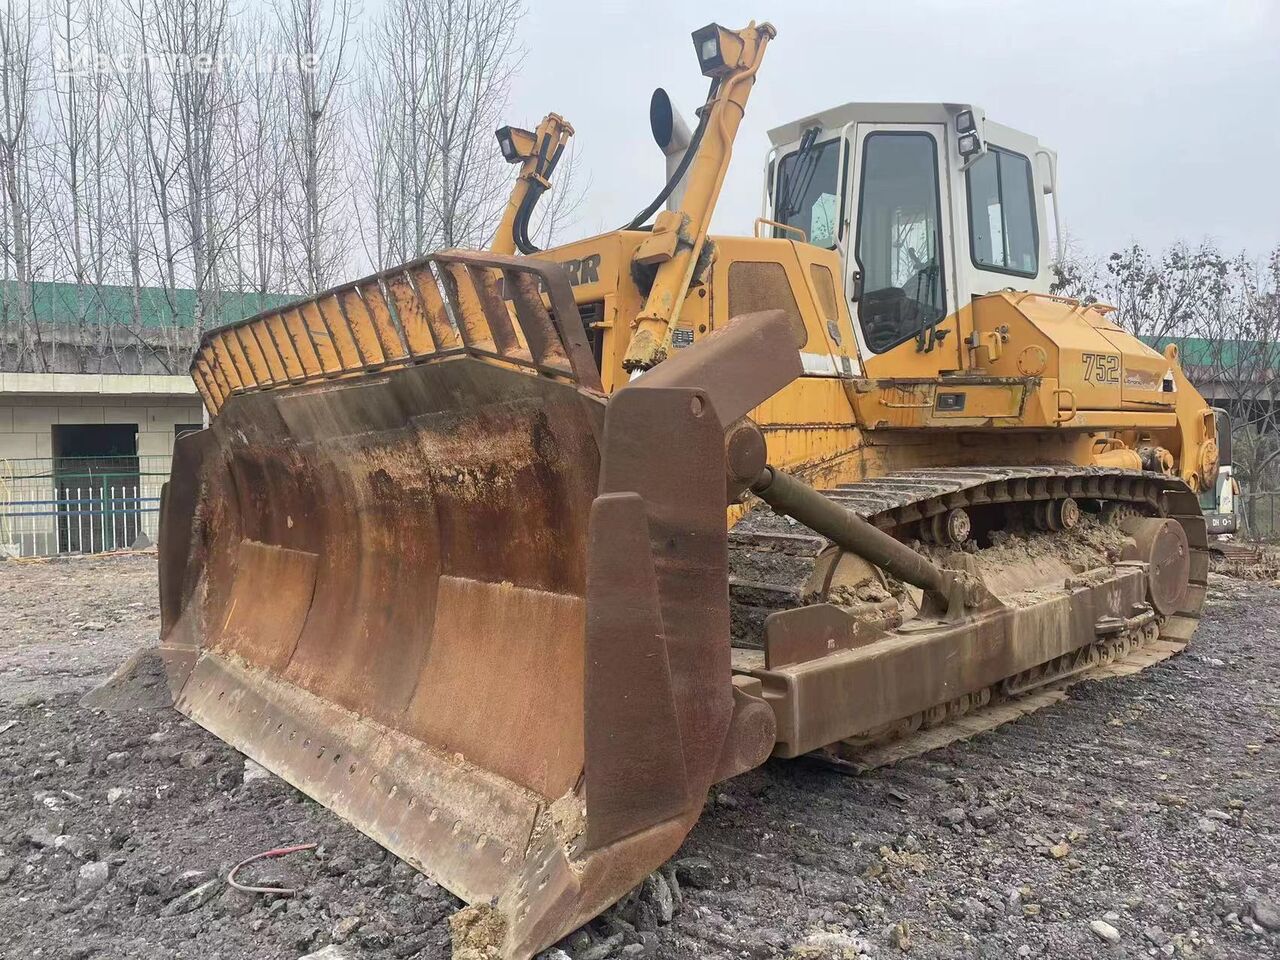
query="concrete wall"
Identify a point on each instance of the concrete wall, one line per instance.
(32, 403)
(42, 515)
(26, 422)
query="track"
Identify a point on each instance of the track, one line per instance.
(773, 560)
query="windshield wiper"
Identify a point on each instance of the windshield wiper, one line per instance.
(930, 334)
(804, 166)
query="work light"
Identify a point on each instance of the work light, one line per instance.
(718, 49)
(964, 122)
(969, 145)
(515, 144)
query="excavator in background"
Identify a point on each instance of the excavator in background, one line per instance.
(1220, 500)
(508, 556)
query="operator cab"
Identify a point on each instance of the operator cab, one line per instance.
(929, 206)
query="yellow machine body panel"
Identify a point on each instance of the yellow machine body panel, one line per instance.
(1103, 366)
(1032, 362)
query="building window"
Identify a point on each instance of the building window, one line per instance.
(899, 240)
(1002, 218)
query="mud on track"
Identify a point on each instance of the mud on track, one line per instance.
(1151, 804)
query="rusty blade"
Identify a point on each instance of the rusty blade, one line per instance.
(386, 585)
(420, 597)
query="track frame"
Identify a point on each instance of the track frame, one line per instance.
(866, 695)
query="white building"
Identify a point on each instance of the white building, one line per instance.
(53, 415)
(83, 455)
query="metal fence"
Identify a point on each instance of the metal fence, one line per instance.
(1260, 515)
(62, 505)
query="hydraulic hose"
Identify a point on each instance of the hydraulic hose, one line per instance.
(520, 227)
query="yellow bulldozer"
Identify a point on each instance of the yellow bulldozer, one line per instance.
(509, 556)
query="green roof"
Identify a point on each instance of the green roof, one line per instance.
(1226, 354)
(111, 304)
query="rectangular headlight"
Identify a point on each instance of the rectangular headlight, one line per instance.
(515, 144)
(718, 49)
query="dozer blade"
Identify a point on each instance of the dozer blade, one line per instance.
(421, 569)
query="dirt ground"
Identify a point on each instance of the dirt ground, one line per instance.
(1140, 817)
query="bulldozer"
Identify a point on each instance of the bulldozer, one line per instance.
(509, 556)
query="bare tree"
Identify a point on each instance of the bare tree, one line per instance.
(1076, 274)
(258, 190)
(194, 33)
(156, 186)
(379, 181)
(1237, 359)
(153, 111)
(135, 203)
(144, 256)
(19, 72)
(82, 159)
(1157, 297)
(441, 79)
(473, 57)
(401, 162)
(317, 34)
(1166, 297)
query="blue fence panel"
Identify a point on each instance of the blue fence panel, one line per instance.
(70, 505)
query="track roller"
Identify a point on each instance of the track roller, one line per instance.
(1063, 514)
(1055, 515)
(949, 528)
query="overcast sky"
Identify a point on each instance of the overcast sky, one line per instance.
(1165, 113)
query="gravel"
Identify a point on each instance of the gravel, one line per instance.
(1105, 931)
(48, 615)
(1077, 831)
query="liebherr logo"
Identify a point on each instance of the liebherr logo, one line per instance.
(584, 270)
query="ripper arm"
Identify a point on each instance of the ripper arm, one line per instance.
(676, 243)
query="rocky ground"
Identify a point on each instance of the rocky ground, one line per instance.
(1139, 817)
(54, 619)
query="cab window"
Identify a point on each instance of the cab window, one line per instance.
(899, 241)
(1208, 498)
(1002, 220)
(807, 195)
(1222, 426)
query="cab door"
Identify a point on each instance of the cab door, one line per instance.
(900, 275)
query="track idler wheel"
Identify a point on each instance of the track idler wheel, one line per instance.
(1162, 544)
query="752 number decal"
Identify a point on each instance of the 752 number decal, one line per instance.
(1102, 367)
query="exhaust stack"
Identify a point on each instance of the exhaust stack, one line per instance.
(672, 136)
